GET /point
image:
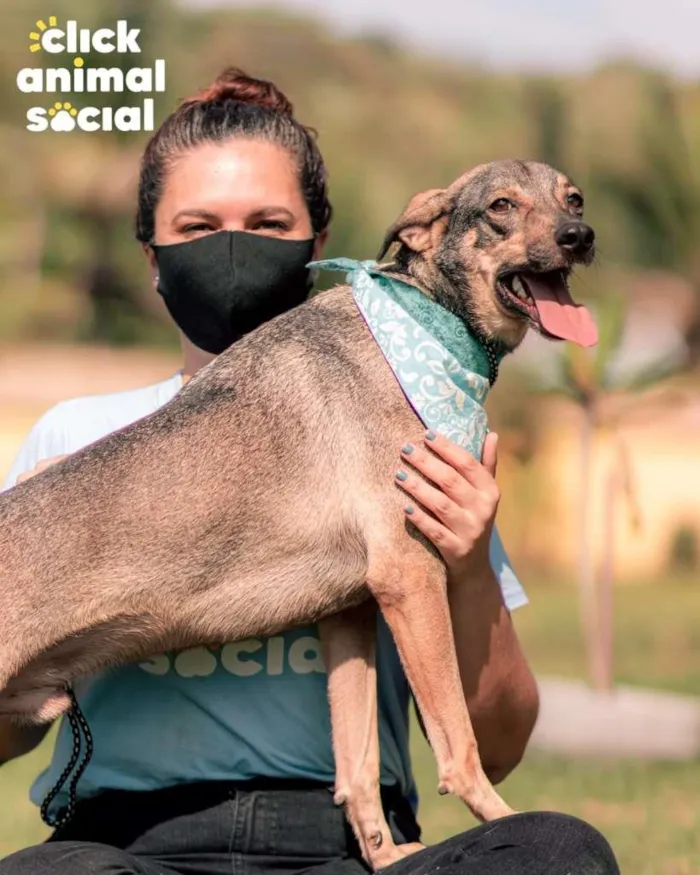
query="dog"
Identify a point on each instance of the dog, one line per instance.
(263, 496)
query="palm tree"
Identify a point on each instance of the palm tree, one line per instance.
(588, 380)
(661, 200)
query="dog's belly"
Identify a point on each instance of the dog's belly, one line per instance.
(260, 596)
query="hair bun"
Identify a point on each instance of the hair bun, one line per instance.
(234, 84)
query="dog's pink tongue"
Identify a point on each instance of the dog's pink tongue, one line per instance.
(559, 315)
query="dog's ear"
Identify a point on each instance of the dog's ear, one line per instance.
(415, 226)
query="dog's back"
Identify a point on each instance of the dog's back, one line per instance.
(277, 458)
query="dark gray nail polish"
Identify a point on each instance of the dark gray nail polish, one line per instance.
(409, 509)
(407, 450)
(430, 435)
(401, 475)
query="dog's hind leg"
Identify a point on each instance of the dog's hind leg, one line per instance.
(349, 646)
(412, 596)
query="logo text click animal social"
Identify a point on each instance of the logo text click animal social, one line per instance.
(83, 84)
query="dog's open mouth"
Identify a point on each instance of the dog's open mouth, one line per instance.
(544, 299)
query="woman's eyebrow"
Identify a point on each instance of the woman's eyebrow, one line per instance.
(193, 212)
(272, 211)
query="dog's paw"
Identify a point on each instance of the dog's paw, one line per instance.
(391, 853)
(488, 806)
(476, 791)
(410, 848)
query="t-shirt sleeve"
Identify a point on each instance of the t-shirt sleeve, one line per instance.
(514, 595)
(44, 441)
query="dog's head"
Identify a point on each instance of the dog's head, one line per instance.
(497, 248)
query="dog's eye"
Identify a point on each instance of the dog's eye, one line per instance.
(575, 200)
(502, 205)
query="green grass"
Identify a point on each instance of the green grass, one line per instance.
(21, 825)
(656, 634)
(650, 812)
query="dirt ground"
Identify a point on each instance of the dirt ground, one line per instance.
(33, 379)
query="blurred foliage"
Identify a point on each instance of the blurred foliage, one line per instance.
(684, 553)
(390, 123)
(589, 380)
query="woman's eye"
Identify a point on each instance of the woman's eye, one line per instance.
(271, 225)
(502, 205)
(200, 227)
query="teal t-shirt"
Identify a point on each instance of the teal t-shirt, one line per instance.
(255, 708)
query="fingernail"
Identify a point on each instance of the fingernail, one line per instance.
(430, 435)
(401, 475)
(409, 509)
(407, 450)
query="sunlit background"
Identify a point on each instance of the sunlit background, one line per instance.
(600, 453)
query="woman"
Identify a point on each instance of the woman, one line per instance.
(206, 760)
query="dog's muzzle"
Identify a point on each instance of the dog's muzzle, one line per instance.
(577, 238)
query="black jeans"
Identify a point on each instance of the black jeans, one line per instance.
(258, 829)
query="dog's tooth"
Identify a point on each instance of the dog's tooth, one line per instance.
(518, 286)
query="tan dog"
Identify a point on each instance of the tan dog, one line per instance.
(263, 496)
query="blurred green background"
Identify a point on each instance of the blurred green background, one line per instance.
(599, 453)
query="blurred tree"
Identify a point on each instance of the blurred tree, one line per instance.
(661, 197)
(116, 312)
(605, 399)
(390, 121)
(549, 120)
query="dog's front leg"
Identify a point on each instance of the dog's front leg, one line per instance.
(413, 600)
(349, 646)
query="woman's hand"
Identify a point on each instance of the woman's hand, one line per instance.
(457, 507)
(39, 467)
(456, 510)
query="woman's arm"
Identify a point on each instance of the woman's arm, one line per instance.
(457, 514)
(499, 687)
(16, 740)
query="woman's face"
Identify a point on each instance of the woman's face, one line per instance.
(238, 185)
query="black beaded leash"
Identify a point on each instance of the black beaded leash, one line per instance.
(77, 722)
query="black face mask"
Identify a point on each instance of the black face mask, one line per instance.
(224, 285)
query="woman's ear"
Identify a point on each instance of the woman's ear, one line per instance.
(319, 244)
(151, 259)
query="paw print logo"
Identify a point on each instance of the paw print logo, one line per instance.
(63, 116)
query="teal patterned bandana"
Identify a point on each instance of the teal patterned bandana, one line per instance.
(441, 367)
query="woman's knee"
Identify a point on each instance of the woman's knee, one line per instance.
(538, 842)
(580, 848)
(69, 858)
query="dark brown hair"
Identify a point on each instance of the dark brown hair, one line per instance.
(234, 105)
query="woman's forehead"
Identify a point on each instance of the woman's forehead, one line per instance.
(238, 172)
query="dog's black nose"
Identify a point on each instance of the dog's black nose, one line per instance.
(577, 237)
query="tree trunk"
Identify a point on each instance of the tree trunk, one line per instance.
(111, 301)
(607, 581)
(691, 331)
(587, 583)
